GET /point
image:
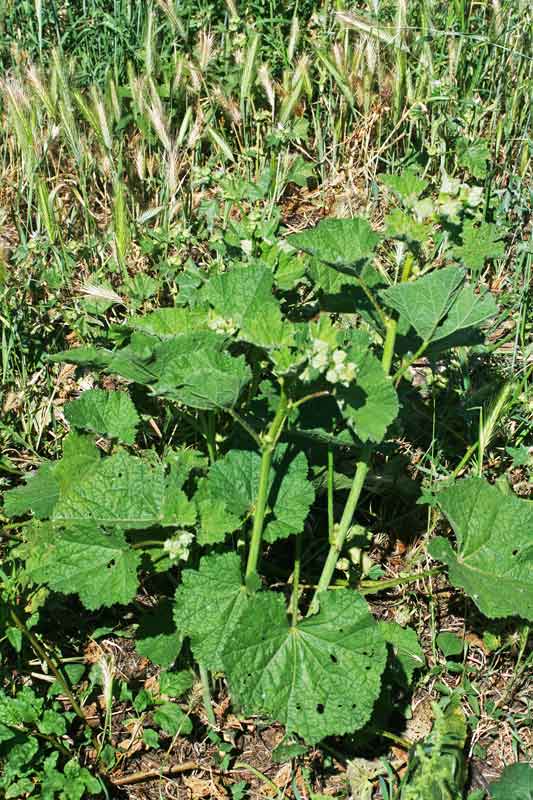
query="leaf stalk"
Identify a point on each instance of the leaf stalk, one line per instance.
(343, 527)
(269, 442)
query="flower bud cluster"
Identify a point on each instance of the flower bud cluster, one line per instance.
(333, 362)
(178, 547)
(223, 326)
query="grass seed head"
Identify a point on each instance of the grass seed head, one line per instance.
(205, 50)
(263, 74)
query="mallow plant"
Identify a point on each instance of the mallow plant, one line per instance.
(284, 355)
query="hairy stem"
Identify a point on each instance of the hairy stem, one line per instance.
(269, 442)
(370, 296)
(331, 514)
(245, 425)
(208, 424)
(343, 528)
(206, 696)
(338, 539)
(313, 396)
(372, 587)
(40, 651)
(388, 348)
(296, 578)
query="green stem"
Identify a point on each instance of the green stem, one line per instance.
(399, 740)
(270, 441)
(147, 543)
(55, 742)
(343, 528)
(372, 300)
(209, 424)
(372, 587)
(392, 322)
(465, 459)
(296, 578)
(407, 268)
(398, 375)
(206, 696)
(388, 348)
(313, 396)
(243, 765)
(331, 514)
(363, 464)
(245, 425)
(40, 651)
(488, 426)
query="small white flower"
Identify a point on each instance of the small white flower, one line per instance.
(179, 546)
(450, 208)
(319, 359)
(341, 371)
(339, 357)
(247, 246)
(222, 326)
(348, 373)
(343, 565)
(423, 209)
(450, 185)
(338, 370)
(474, 196)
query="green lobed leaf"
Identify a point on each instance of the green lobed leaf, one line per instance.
(24, 708)
(403, 226)
(493, 561)
(370, 404)
(289, 270)
(175, 684)
(290, 497)
(184, 460)
(473, 156)
(437, 766)
(480, 243)
(135, 361)
(408, 186)
(243, 297)
(52, 722)
(338, 242)
(110, 413)
(165, 323)
(16, 762)
(208, 605)
(318, 678)
(126, 492)
(196, 371)
(409, 656)
(230, 492)
(157, 637)
(425, 302)
(172, 720)
(39, 494)
(450, 644)
(6, 733)
(71, 783)
(342, 293)
(468, 312)
(83, 357)
(42, 490)
(216, 521)
(515, 783)
(151, 738)
(100, 567)
(192, 368)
